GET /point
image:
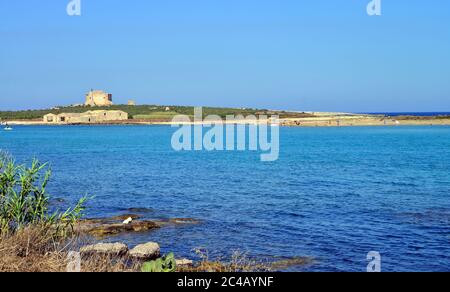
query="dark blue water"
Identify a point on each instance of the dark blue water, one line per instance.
(335, 193)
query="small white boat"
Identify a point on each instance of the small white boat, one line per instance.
(8, 128)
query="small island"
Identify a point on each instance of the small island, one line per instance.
(99, 108)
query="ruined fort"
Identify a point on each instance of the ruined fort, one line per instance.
(95, 98)
(98, 98)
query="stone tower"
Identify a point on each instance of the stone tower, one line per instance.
(98, 98)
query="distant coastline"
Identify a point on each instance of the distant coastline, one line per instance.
(163, 115)
(415, 114)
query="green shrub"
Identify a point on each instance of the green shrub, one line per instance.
(24, 200)
(138, 111)
(166, 264)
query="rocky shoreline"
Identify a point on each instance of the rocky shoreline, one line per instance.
(100, 229)
(141, 253)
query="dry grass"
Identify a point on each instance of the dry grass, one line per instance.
(239, 262)
(30, 250)
(36, 250)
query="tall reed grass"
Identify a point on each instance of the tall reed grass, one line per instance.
(24, 200)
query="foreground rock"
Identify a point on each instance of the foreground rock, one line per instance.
(101, 229)
(147, 251)
(111, 249)
(288, 263)
(184, 263)
(115, 225)
(182, 221)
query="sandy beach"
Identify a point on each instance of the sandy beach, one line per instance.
(321, 120)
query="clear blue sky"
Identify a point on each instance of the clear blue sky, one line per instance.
(318, 55)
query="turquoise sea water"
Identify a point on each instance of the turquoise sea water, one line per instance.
(335, 193)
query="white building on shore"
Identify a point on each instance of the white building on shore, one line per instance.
(89, 117)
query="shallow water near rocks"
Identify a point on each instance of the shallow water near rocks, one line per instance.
(334, 195)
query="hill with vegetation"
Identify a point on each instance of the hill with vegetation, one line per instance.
(145, 112)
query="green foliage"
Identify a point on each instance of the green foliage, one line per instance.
(166, 264)
(24, 199)
(144, 111)
(156, 116)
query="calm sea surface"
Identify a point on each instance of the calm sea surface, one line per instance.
(335, 193)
